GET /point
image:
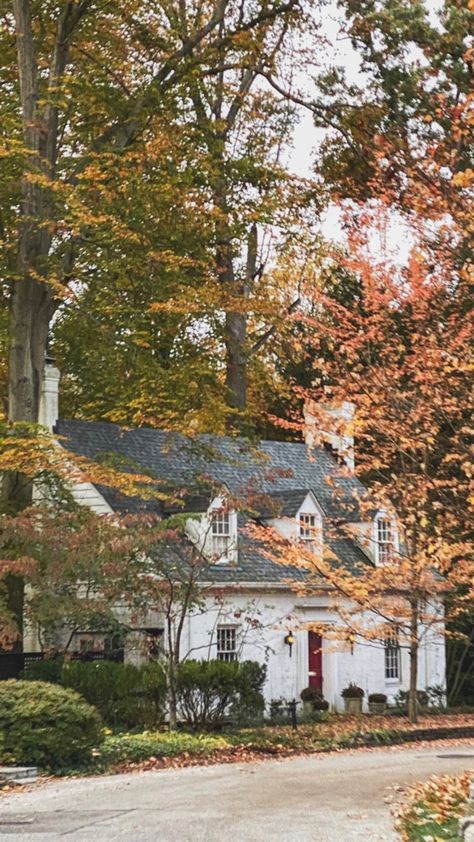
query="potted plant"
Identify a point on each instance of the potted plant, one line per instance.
(377, 702)
(313, 700)
(353, 695)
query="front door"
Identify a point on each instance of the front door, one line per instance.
(315, 660)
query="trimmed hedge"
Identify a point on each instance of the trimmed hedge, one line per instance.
(46, 725)
(210, 692)
(124, 694)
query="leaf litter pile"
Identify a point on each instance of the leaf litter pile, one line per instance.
(433, 809)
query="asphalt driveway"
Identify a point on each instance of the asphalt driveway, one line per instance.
(325, 798)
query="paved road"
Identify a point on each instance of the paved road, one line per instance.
(325, 798)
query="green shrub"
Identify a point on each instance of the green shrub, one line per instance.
(401, 699)
(154, 694)
(278, 710)
(124, 694)
(209, 692)
(45, 725)
(49, 669)
(249, 705)
(123, 748)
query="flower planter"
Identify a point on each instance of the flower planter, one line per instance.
(377, 707)
(353, 705)
(307, 708)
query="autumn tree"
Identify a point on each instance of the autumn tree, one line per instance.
(30, 457)
(192, 329)
(77, 112)
(65, 554)
(93, 94)
(403, 358)
(406, 127)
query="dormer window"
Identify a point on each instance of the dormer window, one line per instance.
(385, 540)
(220, 533)
(307, 527)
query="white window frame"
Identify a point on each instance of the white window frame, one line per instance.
(226, 643)
(221, 526)
(308, 526)
(220, 532)
(392, 657)
(385, 538)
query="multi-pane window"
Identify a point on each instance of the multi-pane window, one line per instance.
(310, 531)
(220, 533)
(226, 643)
(385, 541)
(392, 655)
(307, 527)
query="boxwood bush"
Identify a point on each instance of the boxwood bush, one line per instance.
(211, 692)
(46, 725)
(48, 669)
(124, 694)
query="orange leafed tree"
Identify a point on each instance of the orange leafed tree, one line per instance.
(401, 353)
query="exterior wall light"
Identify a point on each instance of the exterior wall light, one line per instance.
(289, 640)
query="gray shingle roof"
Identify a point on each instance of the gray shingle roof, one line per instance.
(282, 472)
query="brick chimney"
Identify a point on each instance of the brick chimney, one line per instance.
(330, 426)
(49, 397)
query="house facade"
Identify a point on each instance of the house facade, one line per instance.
(251, 608)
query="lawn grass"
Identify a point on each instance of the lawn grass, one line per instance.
(434, 808)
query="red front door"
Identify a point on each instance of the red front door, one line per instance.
(315, 660)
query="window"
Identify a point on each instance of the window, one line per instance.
(392, 655)
(220, 532)
(307, 527)
(385, 541)
(226, 643)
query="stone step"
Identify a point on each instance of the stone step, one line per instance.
(19, 774)
(17, 782)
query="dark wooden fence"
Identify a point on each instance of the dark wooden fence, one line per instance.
(13, 664)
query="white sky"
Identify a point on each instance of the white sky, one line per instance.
(396, 244)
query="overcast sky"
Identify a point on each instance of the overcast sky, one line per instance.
(306, 138)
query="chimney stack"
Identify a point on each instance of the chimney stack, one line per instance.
(49, 397)
(331, 426)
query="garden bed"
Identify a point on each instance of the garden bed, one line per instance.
(156, 749)
(434, 808)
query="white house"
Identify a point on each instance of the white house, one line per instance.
(251, 607)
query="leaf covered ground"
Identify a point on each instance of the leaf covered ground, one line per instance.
(158, 749)
(434, 808)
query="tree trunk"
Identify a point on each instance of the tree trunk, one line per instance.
(414, 646)
(31, 299)
(31, 309)
(172, 695)
(236, 328)
(236, 360)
